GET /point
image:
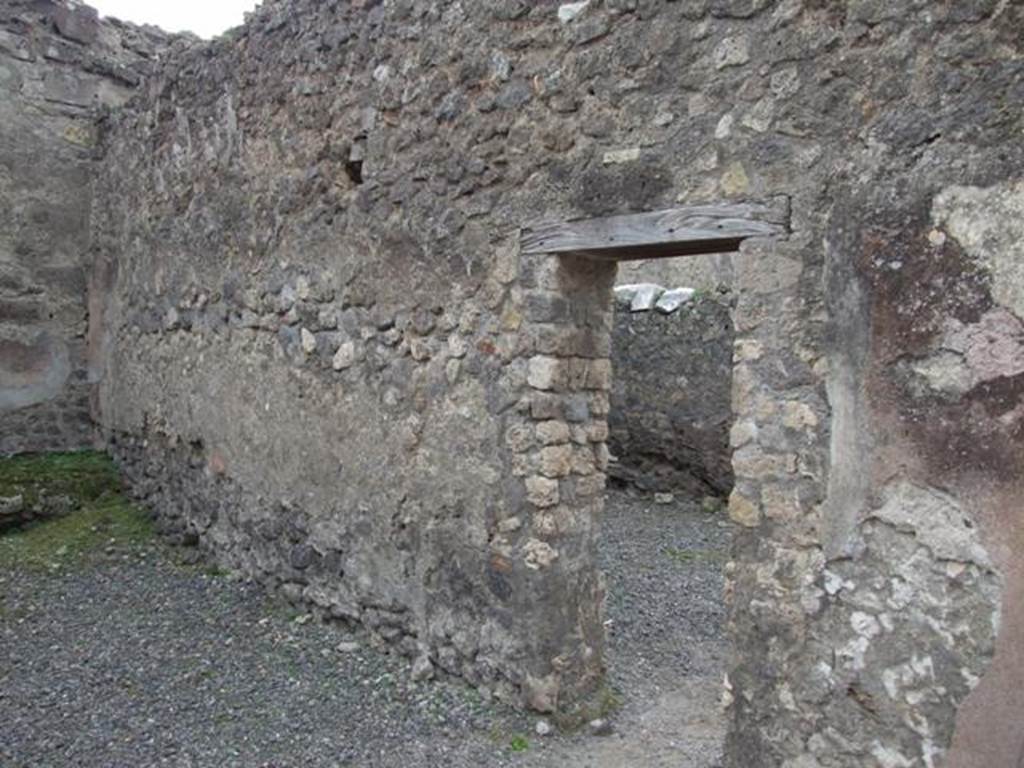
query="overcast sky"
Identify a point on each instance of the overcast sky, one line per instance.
(206, 18)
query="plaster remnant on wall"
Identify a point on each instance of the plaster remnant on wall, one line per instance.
(619, 156)
(937, 520)
(929, 626)
(989, 224)
(569, 11)
(969, 355)
(61, 69)
(33, 372)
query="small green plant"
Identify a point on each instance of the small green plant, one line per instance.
(685, 556)
(601, 705)
(214, 571)
(13, 614)
(518, 743)
(712, 505)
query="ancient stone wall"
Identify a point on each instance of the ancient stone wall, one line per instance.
(885, 607)
(327, 364)
(671, 398)
(60, 66)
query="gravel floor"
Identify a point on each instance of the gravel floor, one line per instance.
(663, 564)
(666, 653)
(137, 661)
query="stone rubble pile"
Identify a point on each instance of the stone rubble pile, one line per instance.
(12, 510)
(16, 510)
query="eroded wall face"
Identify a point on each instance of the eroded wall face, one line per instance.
(326, 363)
(938, 277)
(874, 596)
(435, 466)
(58, 67)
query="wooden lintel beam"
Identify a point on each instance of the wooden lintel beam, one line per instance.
(688, 231)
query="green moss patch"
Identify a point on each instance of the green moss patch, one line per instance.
(518, 743)
(686, 556)
(82, 476)
(97, 514)
(602, 704)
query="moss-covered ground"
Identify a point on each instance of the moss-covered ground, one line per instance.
(99, 513)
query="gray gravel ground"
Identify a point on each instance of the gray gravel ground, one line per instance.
(666, 652)
(663, 564)
(137, 661)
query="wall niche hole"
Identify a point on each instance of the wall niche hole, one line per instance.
(354, 170)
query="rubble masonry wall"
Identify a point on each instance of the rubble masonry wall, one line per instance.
(325, 361)
(60, 68)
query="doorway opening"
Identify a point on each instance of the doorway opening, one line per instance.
(664, 533)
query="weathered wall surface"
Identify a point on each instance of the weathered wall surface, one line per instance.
(886, 625)
(326, 364)
(671, 398)
(937, 451)
(324, 359)
(59, 66)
